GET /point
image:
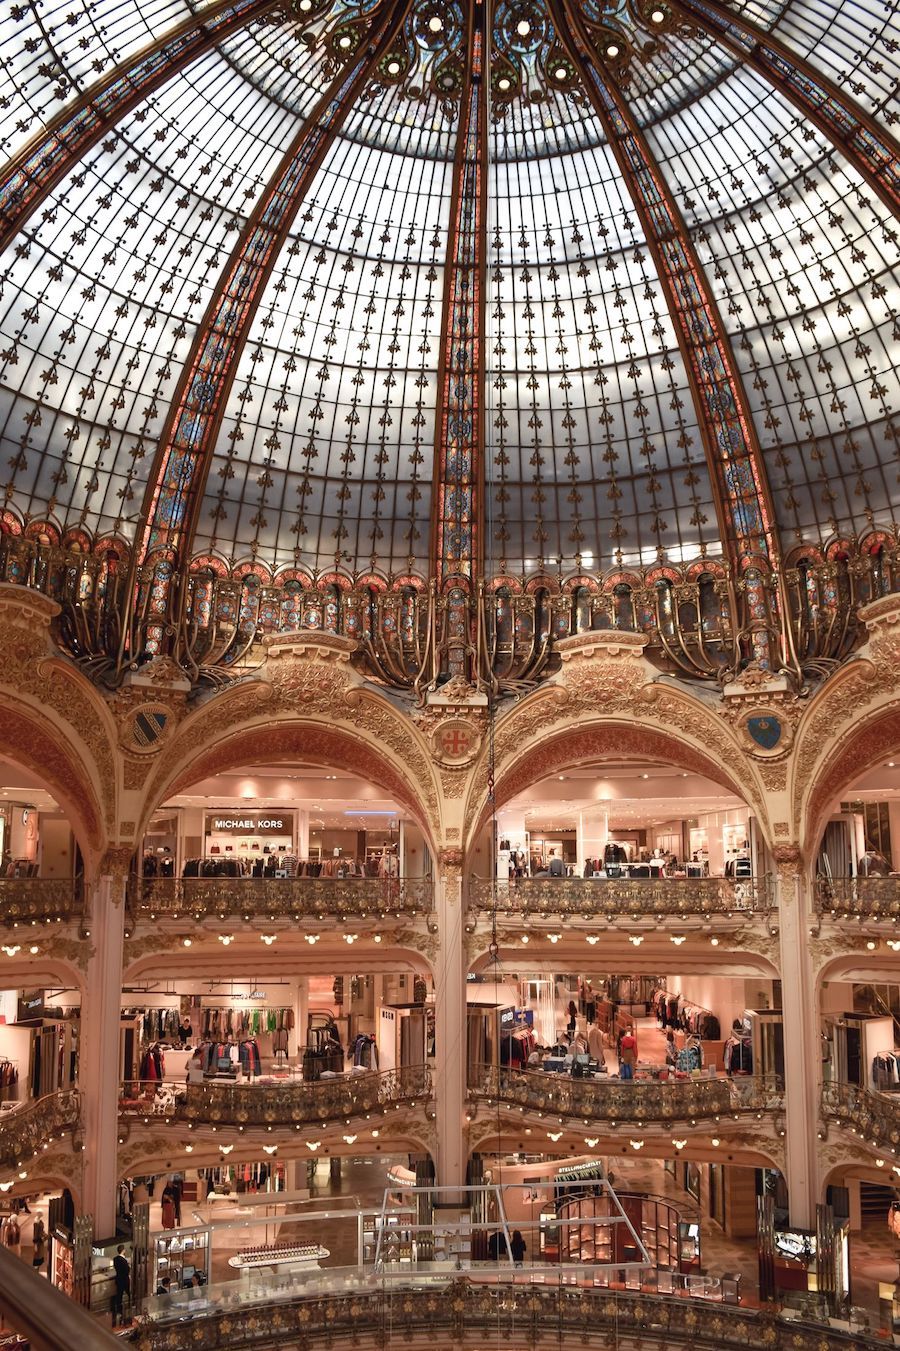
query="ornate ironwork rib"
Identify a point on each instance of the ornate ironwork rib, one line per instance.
(873, 153)
(30, 175)
(182, 462)
(457, 542)
(746, 518)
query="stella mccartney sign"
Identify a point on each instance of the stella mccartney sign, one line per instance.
(249, 823)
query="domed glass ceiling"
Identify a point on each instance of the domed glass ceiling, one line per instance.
(325, 448)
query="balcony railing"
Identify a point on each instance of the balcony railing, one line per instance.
(696, 618)
(291, 1103)
(26, 1129)
(627, 1101)
(285, 898)
(440, 1309)
(612, 898)
(873, 1116)
(876, 898)
(40, 900)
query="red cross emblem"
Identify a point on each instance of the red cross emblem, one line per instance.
(455, 741)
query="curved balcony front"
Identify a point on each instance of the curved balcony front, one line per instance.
(32, 1127)
(633, 899)
(624, 1102)
(305, 899)
(873, 1116)
(295, 1102)
(858, 898)
(290, 1103)
(29, 901)
(346, 1307)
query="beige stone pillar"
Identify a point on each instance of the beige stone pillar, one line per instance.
(801, 1037)
(98, 1051)
(450, 1022)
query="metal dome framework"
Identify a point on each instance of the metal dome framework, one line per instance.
(453, 327)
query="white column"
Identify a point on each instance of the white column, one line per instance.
(301, 1009)
(302, 842)
(450, 1028)
(98, 1053)
(591, 834)
(802, 1062)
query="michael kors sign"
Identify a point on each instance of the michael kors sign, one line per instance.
(250, 823)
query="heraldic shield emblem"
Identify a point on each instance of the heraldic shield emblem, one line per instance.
(764, 730)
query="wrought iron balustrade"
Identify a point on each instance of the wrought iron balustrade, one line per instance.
(211, 625)
(288, 898)
(635, 1100)
(634, 898)
(26, 1129)
(876, 898)
(451, 1309)
(40, 900)
(874, 1116)
(290, 1102)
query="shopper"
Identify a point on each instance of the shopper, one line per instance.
(627, 1055)
(176, 1187)
(573, 1018)
(163, 1287)
(122, 1276)
(167, 1207)
(556, 867)
(517, 1246)
(671, 1050)
(12, 1236)
(38, 1243)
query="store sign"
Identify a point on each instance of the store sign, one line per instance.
(30, 1006)
(250, 823)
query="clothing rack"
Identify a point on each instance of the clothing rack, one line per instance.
(244, 1053)
(267, 863)
(9, 1076)
(886, 1071)
(217, 1021)
(671, 1010)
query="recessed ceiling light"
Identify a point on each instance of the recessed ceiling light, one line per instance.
(344, 42)
(503, 84)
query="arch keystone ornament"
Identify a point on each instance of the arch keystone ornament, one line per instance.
(766, 731)
(456, 742)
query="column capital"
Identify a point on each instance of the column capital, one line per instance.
(789, 860)
(116, 865)
(451, 858)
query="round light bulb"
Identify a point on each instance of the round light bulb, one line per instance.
(612, 50)
(305, 5)
(560, 72)
(523, 28)
(503, 84)
(393, 68)
(657, 16)
(435, 24)
(344, 42)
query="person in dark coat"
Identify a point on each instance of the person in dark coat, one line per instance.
(517, 1246)
(122, 1275)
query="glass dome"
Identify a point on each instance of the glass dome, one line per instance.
(242, 241)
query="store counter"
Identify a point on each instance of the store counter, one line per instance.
(303, 1256)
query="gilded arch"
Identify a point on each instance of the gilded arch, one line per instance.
(330, 724)
(39, 746)
(560, 729)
